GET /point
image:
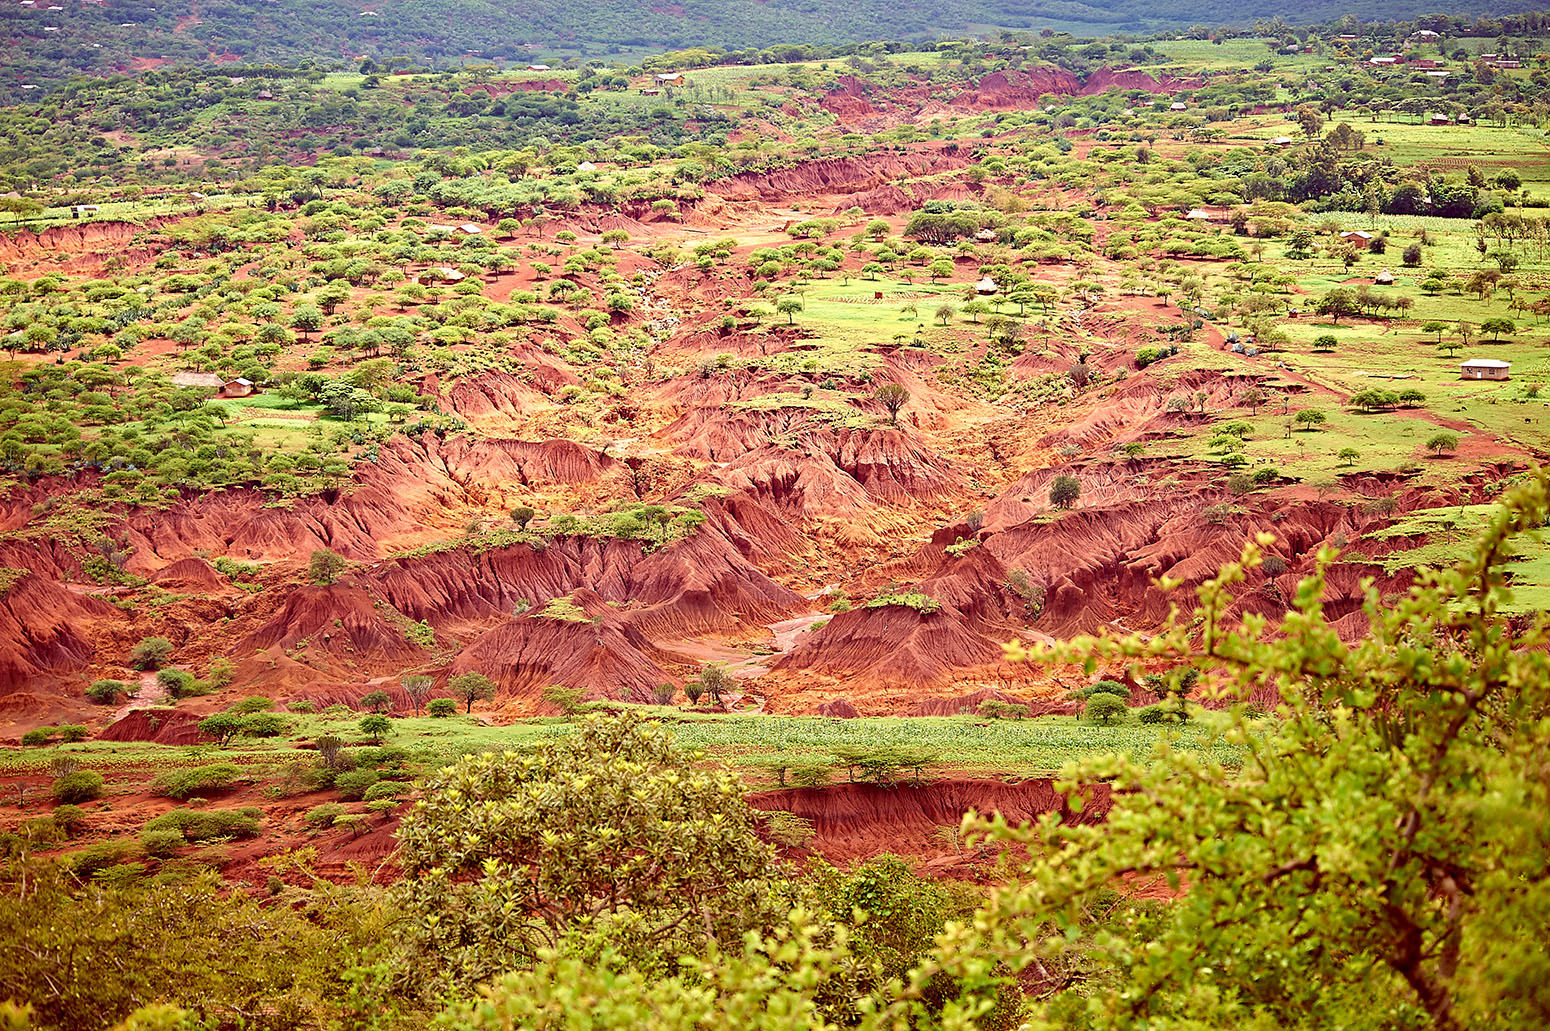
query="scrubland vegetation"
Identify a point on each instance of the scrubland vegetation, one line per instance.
(977, 534)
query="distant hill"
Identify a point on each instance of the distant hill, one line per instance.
(120, 34)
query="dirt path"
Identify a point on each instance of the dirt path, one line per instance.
(786, 632)
(151, 693)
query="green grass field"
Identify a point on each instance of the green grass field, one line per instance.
(1450, 531)
(749, 744)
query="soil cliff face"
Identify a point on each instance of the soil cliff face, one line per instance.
(78, 247)
(597, 651)
(832, 176)
(702, 584)
(850, 820)
(44, 632)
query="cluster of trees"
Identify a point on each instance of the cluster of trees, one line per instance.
(171, 438)
(1361, 300)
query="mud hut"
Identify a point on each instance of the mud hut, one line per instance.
(1484, 368)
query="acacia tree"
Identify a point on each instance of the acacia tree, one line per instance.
(1381, 848)
(324, 567)
(1496, 327)
(1311, 418)
(715, 681)
(1442, 442)
(471, 687)
(1336, 303)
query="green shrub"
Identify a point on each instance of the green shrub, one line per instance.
(70, 819)
(301, 705)
(441, 707)
(95, 858)
(376, 727)
(178, 682)
(150, 653)
(37, 737)
(376, 701)
(208, 824)
(1153, 714)
(1105, 708)
(380, 755)
(69, 732)
(384, 789)
(223, 726)
(251, 704)
(197, 780)
(264, 724)
(80, 786)
(106, 692)
(354, 784)
(162, 842)
(320, 816)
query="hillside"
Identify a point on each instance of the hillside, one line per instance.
(834, 380)
(498, 548)
(120, 36)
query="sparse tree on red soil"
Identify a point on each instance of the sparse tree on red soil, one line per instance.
(325, 566)
(893, 397)
(1064, 490)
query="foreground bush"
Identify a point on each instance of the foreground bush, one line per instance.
(607, 827)
(1377, 862)
(197, 780)
(77, 787)
(86, 954)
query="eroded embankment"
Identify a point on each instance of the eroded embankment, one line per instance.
(855, 821)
